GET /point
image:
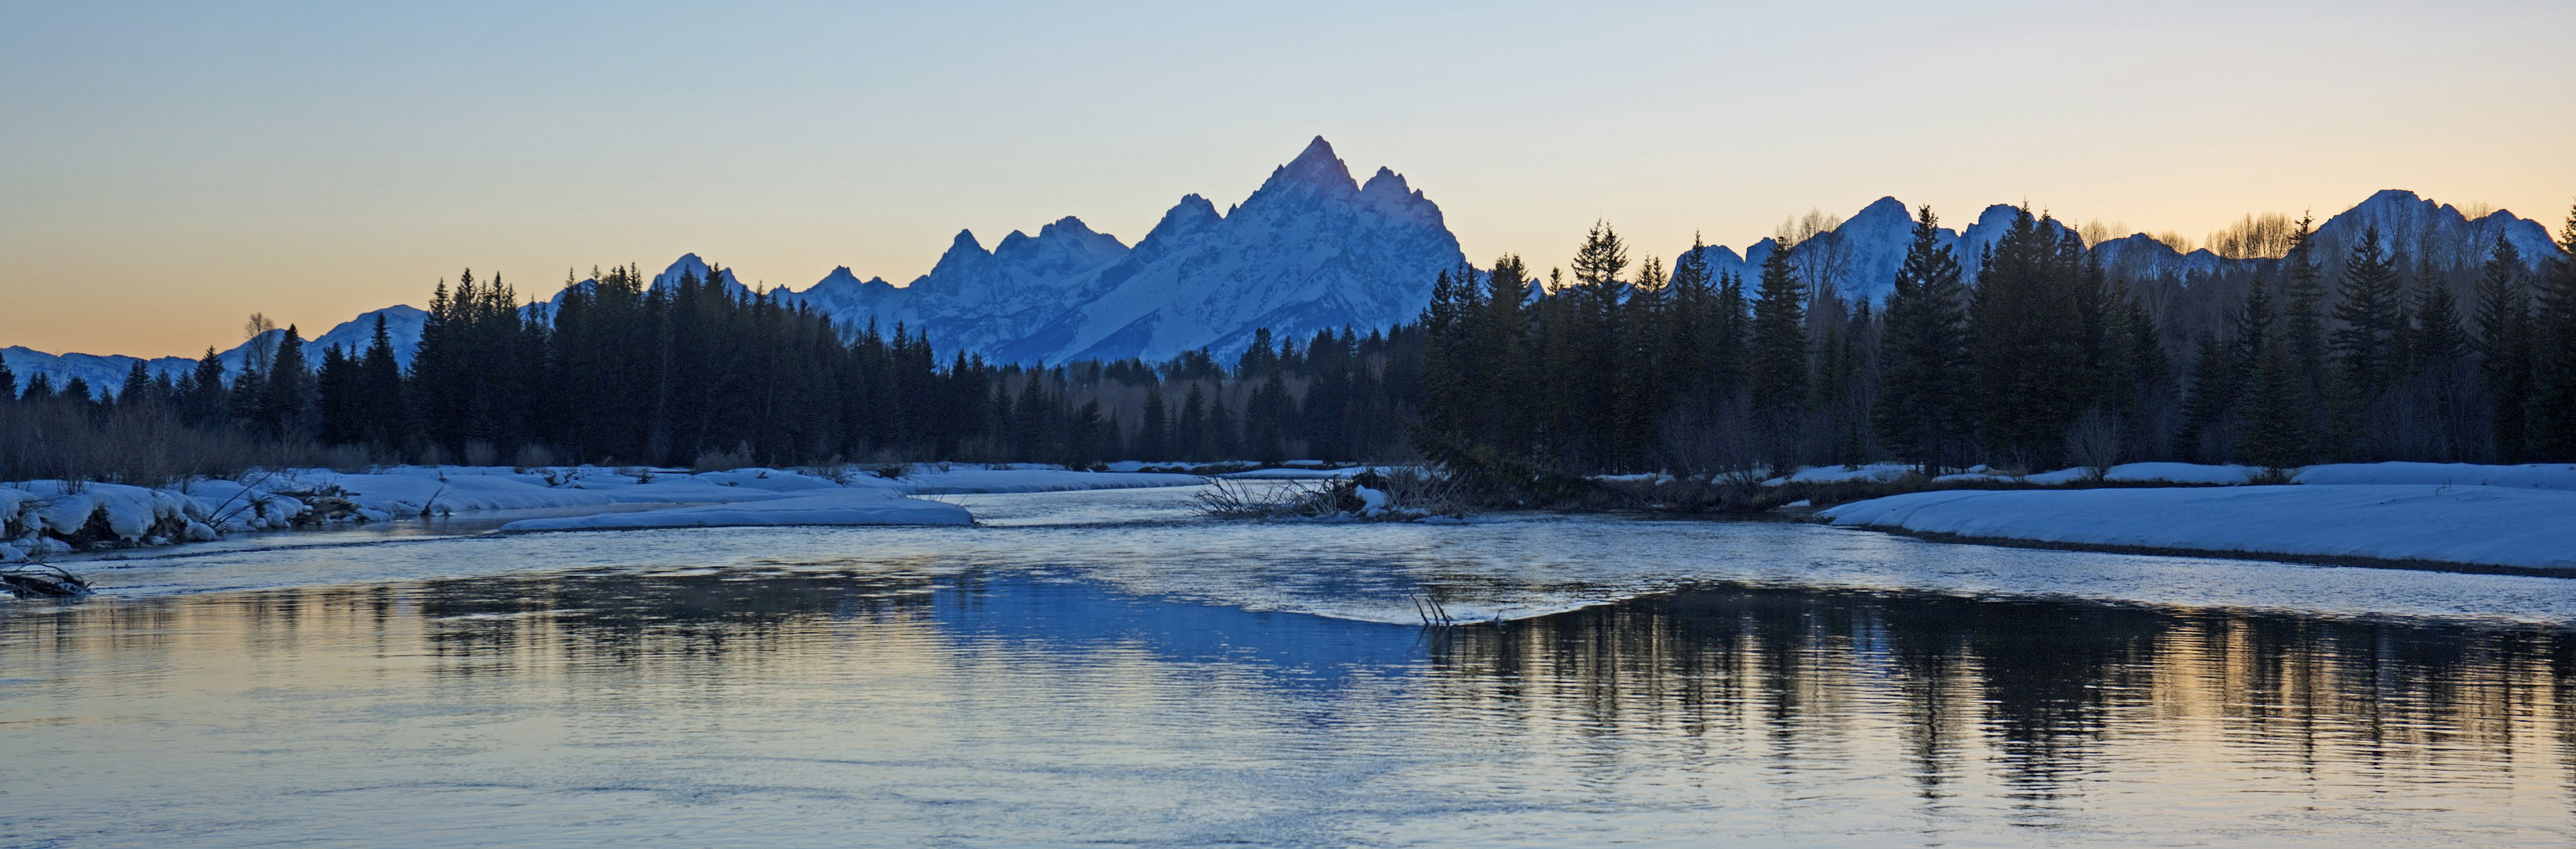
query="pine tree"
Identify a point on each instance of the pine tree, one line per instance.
(2303, 333)
(208, 400)
(1153, 436)
(2027, 340)
(380, 391)
(2504, 348)
(137, 390)
(2373, 314)
(2552, 431)
(1776, 364)
(1922, 406)
(285, 408)
(8, 383)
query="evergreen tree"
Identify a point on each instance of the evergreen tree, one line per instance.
(1153, 437)
(40, 388)
(379, 401)
(2373, 315)
(137, 391)
(2552, 428)
(207, 400)
(285, 408)
(8, 383)
(2504, 347)
(1923, 407)
(1776, 363)
(2028, 340)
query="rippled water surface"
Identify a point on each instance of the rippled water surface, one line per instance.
(1103, 668)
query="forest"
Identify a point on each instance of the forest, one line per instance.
(2045, 357)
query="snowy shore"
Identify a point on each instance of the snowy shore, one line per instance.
(2515, 517)
(40, 518)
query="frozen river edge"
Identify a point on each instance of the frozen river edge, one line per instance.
(2495, 529)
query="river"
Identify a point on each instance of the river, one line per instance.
(1107, 668)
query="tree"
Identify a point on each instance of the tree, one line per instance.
(1776, 365)
(285, 408)
(380, 391)
(2553, 393)
(2504, 349)
(2373, 317)
(1923, 401)
(2027, 340)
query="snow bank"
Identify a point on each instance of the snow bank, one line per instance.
(1873, 473)
(1299, 474)
(44, 517)
(833, 507)
(2491, 525)
(2533, 476)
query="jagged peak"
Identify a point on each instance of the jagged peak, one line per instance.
(1316, 167)
(965, 241)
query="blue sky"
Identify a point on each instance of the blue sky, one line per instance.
(170, 168)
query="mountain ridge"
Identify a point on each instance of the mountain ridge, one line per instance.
(1315, 248)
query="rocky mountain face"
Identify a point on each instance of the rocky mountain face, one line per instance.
(1860, 257)
(1312, 249)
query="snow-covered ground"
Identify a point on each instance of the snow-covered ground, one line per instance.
(48, 517)
(2528, 526)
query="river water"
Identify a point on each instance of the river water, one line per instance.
(1105, 668)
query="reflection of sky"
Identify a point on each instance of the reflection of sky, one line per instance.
(173, 169)
(750, 705)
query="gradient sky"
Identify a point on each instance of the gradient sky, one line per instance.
(167, 169)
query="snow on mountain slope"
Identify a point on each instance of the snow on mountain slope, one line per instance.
(1311, 249)
(106, 374)
(1861, 257)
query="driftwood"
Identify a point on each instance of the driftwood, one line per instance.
(39, 580)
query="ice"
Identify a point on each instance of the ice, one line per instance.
(835, 507)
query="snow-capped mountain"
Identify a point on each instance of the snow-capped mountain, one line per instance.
(1311, 249)
(1860, 258)
(106, 373)
(1314, 248)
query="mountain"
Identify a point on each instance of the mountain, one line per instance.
(106, 373)
(1315, 248)
(1860, 257)
(1311, 249)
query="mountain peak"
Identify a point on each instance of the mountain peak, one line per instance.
(1316, 166)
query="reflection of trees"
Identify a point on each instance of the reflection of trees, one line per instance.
(624, 617)
(2036, 688)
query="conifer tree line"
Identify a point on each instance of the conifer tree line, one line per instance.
(2043, 358)
(621, 371)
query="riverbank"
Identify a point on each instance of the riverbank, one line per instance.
(39, 519)
(2510, 519)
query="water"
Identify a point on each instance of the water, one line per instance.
(1103, 668)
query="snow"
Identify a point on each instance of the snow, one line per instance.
(2534, 476)
(970, 481)
(1281, 474)
(1875, 472)
(2490, 525)
(37, 516)
(834, 507)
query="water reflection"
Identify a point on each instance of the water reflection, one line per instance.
(1017, 707)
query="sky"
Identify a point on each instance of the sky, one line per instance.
(167, 169)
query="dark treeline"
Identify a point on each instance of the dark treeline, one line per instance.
(2049, 359)
(695, 373)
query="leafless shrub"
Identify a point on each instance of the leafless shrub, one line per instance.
(533, 457)
(722, 461)
(2095, 442)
